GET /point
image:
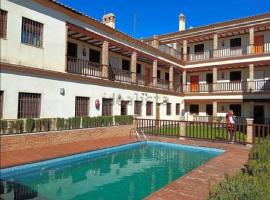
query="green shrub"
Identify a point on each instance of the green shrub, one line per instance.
(123, 120)
(239, 187)
(17, 126)
(29, 125)
(107, 121)
(86, 122)
(3, 126)
(38, 125)
(74, 122)
(60, 123)
(253, 183)
(46, 124)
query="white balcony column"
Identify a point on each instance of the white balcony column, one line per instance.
(134, 67)
(184, 80)
(105, 59)
(215, 45)
(155, 42)
(250, 138)
(171, 78)
(215, 108)
(185, 56)
(154, 76)
(215, 86)
(251, 40)
(251, 77)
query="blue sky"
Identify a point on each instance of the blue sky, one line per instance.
(159, 16)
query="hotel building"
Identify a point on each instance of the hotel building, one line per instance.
(58, 62)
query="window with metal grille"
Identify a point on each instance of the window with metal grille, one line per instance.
(81, 106)
(177, 109)
(1, 103)
(126, 65)
(169, 108)
(149, 108)
(139, 68)
(167, 76)
(107, 105)
(124, 107)
(199, 48)
(32, 32)
(29, 105)
(3, 23)
(72, 49)
(236, 42)
(138, 108)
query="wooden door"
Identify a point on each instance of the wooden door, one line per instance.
(194, 83)
(259, 44)
(147, 73)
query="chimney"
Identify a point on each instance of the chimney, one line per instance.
(109, 20)
(182, 22)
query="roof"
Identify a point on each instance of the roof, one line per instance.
(223, 24)
(88, 19)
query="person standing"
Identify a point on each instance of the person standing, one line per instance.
(230, 123)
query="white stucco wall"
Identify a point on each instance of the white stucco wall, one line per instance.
(51, 55)
(53, 104)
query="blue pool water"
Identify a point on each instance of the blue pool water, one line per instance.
(130, 171)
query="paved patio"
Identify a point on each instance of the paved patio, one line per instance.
(193, 186)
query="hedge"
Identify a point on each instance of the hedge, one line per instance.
(49, 124)
(253, 183)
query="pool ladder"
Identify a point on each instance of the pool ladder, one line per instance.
(139, 134)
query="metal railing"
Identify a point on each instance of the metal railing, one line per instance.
(230, 52)
(83, 67)
(162, 84)
(116, 74)
(170, 51)
(235, 86)
(140, 79)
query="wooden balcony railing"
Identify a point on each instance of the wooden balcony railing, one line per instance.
(116, 74)
(230, 52)
(242, 86)
(83, 67)
(140, 79)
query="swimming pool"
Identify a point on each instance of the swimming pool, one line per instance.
(131, 171)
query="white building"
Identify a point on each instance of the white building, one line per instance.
(58, 62)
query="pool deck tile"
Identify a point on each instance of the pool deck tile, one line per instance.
(193, 186)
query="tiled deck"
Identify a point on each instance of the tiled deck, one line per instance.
(193, 186)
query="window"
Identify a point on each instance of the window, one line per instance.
(236, 42)
(194, 109)
(199, 48)
(3, 23)
(158, 73)
(167, 76)
(209, 109)
(149, 107)
(125, 65)
(81, 106)
(32, 32)
(139, 69)
(124, 107)
(177, 109)
(72, 49)
(236, 108)
(168, 108)
(29, 105)
(1, 103)
(107, 105)
(235, 76)
(94, 56)
(138, 108)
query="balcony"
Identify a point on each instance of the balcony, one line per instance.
(230, 52)
(170, 51)
(162, 84)
(226, 87)
(116, 74)
(83, 67)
